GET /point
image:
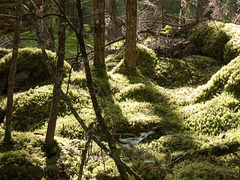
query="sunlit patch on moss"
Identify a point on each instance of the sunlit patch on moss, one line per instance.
(210, 39)
(218, 40)
(177, 142)
(215, 116)
(226, 79)
(4, 51)
(201, 169)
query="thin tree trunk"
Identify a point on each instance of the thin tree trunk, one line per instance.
(99, 33)
(96, 107)
(131, 34)
(160, 8)
(122, 167)
(49, 141)
(183, 12)
(11, 76)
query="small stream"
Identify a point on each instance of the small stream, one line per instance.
(130, 141)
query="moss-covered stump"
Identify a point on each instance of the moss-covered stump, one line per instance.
(31, 69)
(217, 40)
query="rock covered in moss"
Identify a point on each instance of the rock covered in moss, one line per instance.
(217, 40)
(31, 68)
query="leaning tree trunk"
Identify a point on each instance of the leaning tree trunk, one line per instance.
(49, 141)
(99, 34)
(11, 76)
(131, 34)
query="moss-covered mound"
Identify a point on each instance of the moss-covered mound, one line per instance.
(217, 40)
(213, 117)
(193, 70)
(201, 169)
(32, 108)
(226, 79)
(31, 68)
(4, 51)
(176, 142)
(19, 164)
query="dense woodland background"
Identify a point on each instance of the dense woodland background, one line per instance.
(119, 89)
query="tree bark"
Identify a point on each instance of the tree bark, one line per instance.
(11, 76)
(131, 34)
(111, 9)
(49, 141)
(48, 31)
(122, 167)
(99, 33)
(160, 8)
(183, 12)
(201, 11)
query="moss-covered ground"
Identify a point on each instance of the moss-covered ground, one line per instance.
(191, 104)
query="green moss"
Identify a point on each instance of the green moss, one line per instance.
(215, 116)
(32, 107)
(4, 51)
(193, 70)
(210, 39)
(177, 142)
(19, 164)
(226, 79)
(217, 40)
(201, 169)
(31, 68)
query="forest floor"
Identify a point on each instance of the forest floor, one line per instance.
(172, 119)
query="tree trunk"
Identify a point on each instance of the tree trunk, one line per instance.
(97, 110)
(48, 31)
(131, 34)
(99, 33)
(160, 8)
(11, 76)
(111, 9)
(202, 10)
(183, 12)
(49, 141)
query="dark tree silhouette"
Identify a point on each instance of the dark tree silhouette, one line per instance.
(11, 76)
